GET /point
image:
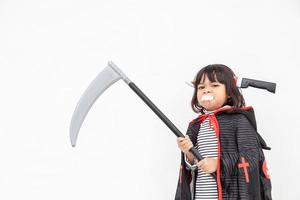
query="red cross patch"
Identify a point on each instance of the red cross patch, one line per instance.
(244, 165)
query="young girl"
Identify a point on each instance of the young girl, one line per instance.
(226, 137)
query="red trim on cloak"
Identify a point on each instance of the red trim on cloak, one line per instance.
(223, 109)
(213, 122)
(217, 129)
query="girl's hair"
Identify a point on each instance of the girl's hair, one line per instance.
(224, 75)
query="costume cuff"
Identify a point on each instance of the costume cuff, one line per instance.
(190, 166)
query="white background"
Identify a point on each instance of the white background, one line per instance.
(50, 51)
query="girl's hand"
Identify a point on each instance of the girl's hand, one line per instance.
(184, 143)
(208, 165)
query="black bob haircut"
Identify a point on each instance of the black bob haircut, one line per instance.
(223, 74)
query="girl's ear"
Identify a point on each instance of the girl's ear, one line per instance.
(235, 79)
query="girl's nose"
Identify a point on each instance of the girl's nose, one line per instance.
(207, 90)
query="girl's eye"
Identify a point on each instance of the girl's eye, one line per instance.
(200, 87)
(215, 85)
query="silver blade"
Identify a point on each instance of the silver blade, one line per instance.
(104, 80)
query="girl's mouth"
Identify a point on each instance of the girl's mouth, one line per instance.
(207, 98)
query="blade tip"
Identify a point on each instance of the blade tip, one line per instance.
(73, 143)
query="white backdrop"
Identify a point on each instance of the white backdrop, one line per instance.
(50, 51)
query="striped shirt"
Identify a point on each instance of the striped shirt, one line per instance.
(207, 145)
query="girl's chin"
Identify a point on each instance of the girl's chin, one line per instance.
(208, 107)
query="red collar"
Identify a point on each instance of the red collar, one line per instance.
(220, 110)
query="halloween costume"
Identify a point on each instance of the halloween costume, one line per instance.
(241, 172)
(207, 145)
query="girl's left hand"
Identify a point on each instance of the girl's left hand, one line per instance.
(208, 165)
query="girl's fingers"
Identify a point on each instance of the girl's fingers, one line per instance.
(202, 164)
(188, 145)
(185, 144)
(188, 138)
(180, 141)
(206, 165)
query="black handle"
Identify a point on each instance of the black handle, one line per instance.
(165, 120)
(162, 117)
(271, 87)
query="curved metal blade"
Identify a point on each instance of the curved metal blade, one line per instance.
(105, 79)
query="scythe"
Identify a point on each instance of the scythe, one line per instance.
(112, 74)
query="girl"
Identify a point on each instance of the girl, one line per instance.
(226, 137)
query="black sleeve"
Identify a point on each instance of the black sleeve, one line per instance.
(192, 132)
(249, 162)
(241, 169)
(251, 145)
(248, 146)
(183, 191)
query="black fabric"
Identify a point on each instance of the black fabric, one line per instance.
(251, 117)
(185, 177)
(238, 139)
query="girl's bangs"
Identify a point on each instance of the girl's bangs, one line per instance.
(214, 75)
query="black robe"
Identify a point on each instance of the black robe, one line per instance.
(242, 171)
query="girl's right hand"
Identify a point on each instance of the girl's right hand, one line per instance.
(184, 143)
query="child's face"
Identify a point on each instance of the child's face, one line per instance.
(211, 95)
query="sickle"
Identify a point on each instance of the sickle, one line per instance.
(104, 80)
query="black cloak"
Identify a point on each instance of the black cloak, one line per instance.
(242, 173)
